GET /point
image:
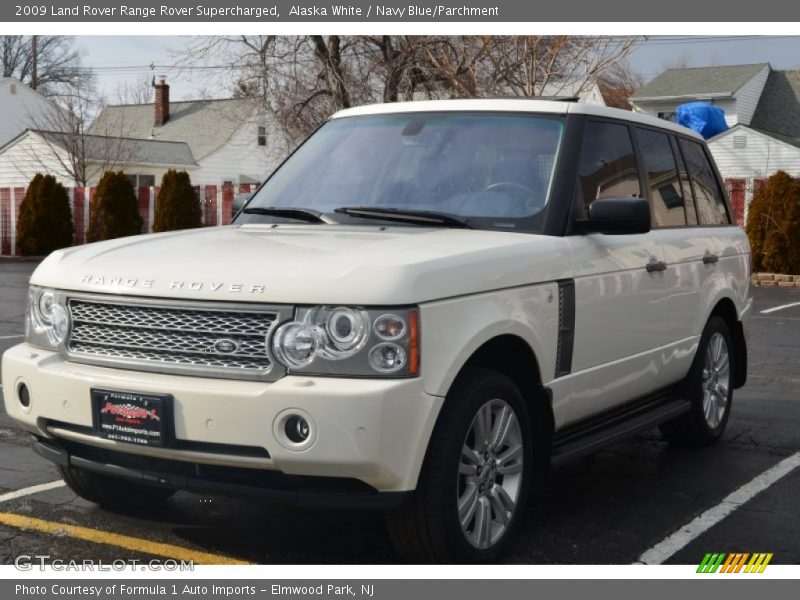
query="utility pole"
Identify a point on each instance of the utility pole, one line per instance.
(34, 82)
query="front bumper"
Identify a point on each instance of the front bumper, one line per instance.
(369, 430)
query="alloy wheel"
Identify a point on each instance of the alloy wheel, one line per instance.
(490, 474)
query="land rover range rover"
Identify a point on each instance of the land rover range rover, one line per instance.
(424, 308)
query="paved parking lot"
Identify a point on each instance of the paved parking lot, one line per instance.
(613, 508)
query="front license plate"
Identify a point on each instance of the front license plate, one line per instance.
(134, 418)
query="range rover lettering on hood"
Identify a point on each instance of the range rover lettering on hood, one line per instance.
(193, 286)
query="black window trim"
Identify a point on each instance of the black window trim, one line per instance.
(575, 198)
(683, 172)
(715, 172)
(646, 173)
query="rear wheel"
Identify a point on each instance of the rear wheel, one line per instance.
(709, 388)
(112, 492)
(475, 483)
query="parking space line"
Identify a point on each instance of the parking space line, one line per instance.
(34, 489)
(10, 337)
(117, 540)
(777, 308)
(681, 538)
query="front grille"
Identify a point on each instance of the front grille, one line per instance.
(171, 338)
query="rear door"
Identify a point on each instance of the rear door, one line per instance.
(672, 208)
(725, 260)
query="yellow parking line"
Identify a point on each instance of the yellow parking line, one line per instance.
(120, 541)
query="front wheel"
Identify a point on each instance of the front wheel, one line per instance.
(709, 388)
(475, 482)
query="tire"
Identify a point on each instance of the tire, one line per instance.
(428, 528)
(112, 492)
(709, 388)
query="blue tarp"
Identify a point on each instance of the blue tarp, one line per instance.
(706, 119)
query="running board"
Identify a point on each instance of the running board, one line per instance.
(582, 440)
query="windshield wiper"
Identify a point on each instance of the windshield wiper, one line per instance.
(308, 215)
(402, 215)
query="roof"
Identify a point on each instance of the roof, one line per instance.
(778, 110)
(526, 105)
(204, 125)
(100, 148)
(699, 81)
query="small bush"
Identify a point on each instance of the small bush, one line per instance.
(177, 205)
(773, 225)
(45, 218)
(114, 211)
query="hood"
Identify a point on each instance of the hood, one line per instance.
(308, 264)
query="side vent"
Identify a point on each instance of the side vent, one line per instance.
(566, 327)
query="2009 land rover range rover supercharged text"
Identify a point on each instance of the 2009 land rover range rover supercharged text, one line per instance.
(423, 309)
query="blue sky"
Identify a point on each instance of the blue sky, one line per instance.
(124, 58)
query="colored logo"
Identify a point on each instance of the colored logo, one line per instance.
(736, 562)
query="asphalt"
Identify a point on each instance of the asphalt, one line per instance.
(608, 509)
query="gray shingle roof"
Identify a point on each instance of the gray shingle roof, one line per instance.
(778, 110)
(126, 150)
(204, 125)
(674, 83)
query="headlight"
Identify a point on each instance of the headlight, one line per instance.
(46, 319)
(347, 341)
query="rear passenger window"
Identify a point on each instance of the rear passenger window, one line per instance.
(666, 196)
(686, 186)
(707, 193)
(608, 164)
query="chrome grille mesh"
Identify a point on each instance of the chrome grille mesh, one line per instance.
(174, 339)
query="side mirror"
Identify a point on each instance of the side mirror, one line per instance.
(239, 200)
(625, 215)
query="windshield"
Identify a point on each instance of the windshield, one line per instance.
(492, 170)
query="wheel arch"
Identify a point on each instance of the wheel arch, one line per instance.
(726, 310)
(512, 356)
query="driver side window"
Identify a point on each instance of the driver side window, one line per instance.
(608, 163)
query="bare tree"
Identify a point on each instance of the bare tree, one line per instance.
(619, 83)
(137, 91)
(56, 61)
(677, 61)
(76, 154)
(302, 80)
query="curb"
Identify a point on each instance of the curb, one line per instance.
(775, 280)
(21, 259)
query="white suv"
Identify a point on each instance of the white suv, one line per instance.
(424, 307)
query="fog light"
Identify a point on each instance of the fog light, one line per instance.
(387, 358)
(24, 395)
(297, 429)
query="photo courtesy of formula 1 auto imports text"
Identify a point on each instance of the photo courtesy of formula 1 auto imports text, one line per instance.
(307, 300)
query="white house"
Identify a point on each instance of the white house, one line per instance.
(771, 141)
(20, 108)
(736, 89)
(55, 153)
(762, 109)
(231, 140)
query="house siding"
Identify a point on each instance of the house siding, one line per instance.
(241, 155)
(761, 156)
(748, 95)
(31, 154)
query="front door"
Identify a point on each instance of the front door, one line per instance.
(620, 320)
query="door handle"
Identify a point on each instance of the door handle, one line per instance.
(709, 258)
(655, 266)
